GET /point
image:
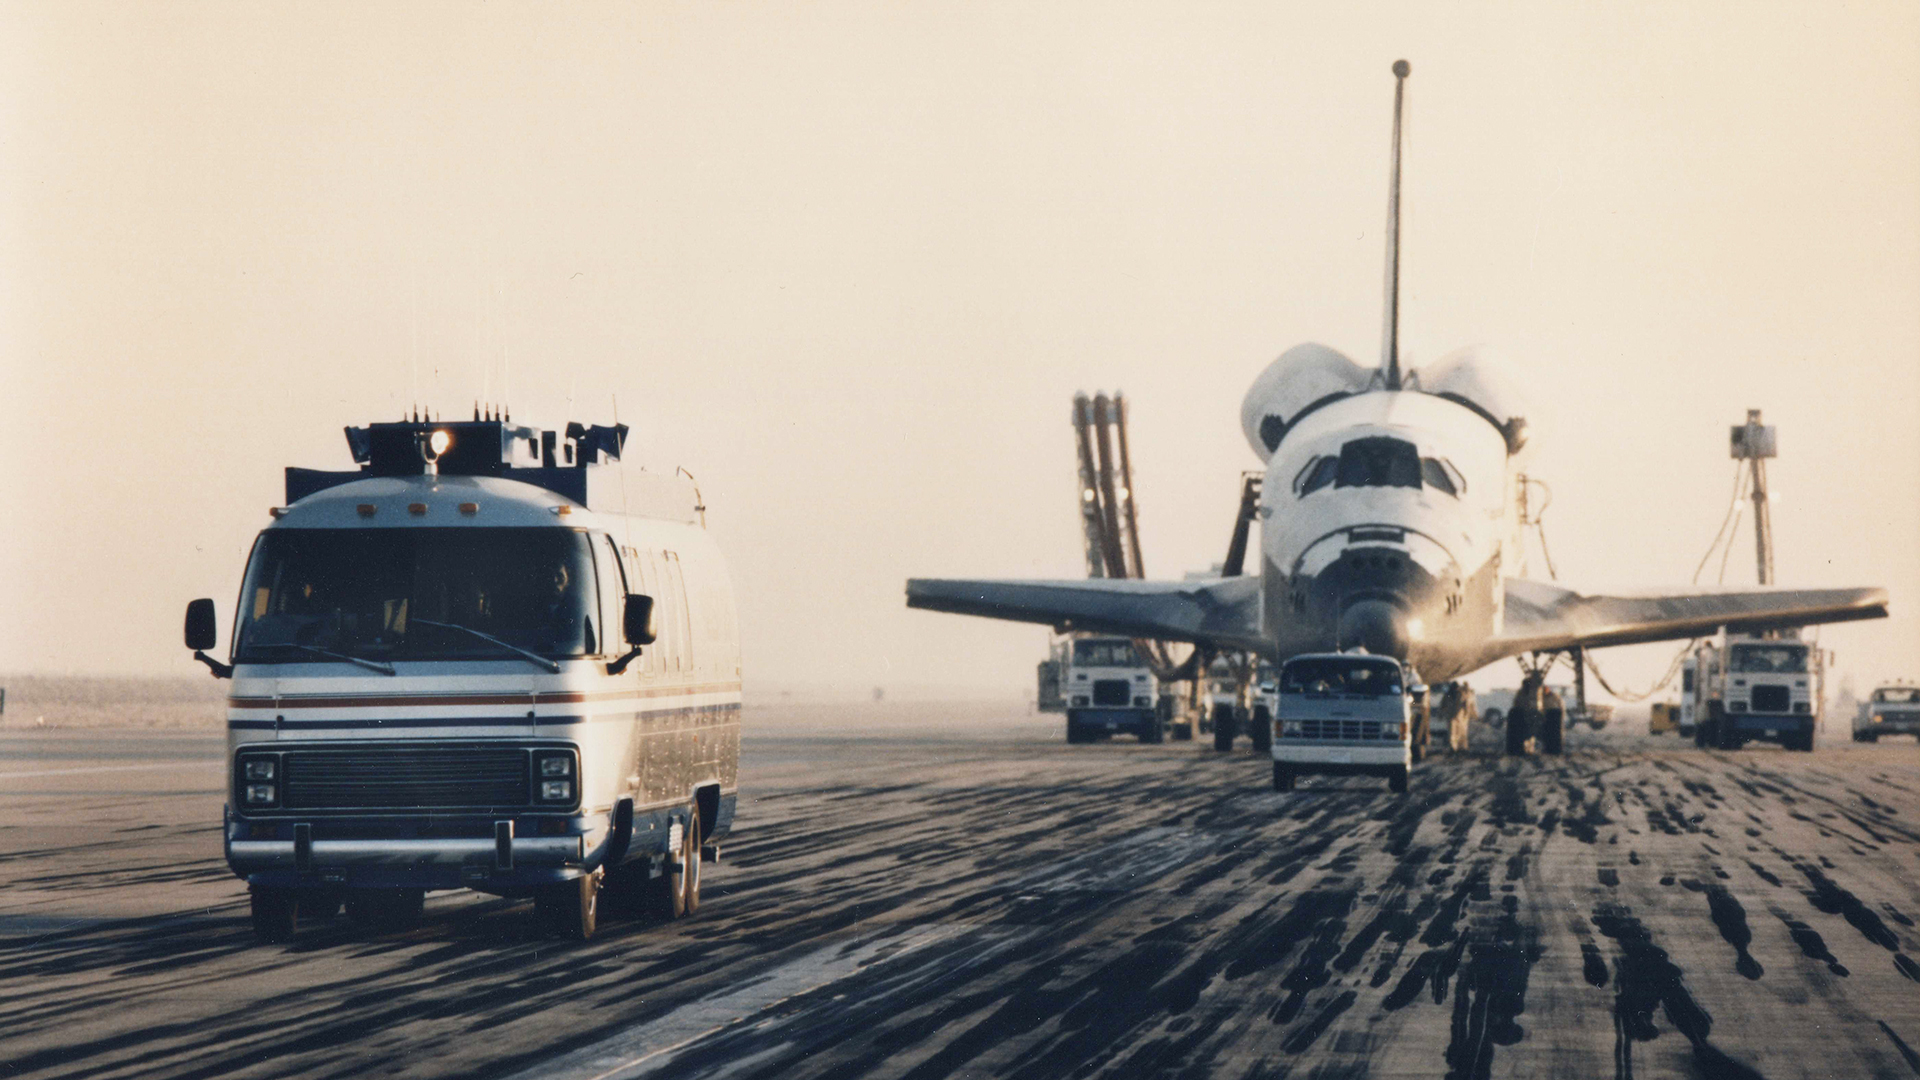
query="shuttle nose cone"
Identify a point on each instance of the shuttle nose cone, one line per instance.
(1377, 625)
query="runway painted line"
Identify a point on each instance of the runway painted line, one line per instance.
(650, 1046)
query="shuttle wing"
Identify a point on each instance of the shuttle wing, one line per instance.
(1221, 611)
(1545, 616)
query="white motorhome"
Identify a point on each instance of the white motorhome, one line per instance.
(1345, 714)
(486, 659)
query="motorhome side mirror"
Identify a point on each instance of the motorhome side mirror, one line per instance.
(202, 633)
(637, 619)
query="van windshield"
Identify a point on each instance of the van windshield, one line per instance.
(370, 593)
(1897, 695)
(1341, 675)
(1105, 654)
(1770, 659)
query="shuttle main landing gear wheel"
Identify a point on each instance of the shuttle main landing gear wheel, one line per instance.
(1223, 725)
(1552, 731)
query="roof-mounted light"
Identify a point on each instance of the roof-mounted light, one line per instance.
(439, 441)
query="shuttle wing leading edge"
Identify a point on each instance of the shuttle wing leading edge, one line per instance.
(1542, 616)
(1223, 612)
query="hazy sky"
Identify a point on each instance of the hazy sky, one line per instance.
(848, 262)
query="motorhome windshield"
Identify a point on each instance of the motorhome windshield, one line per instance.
(1770, 659)
(370, 593)
(1341, 675)
(1105, 654)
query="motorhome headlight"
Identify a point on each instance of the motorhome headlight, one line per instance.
(1390, 730)
(556, 765)
(1142, 702)
(1079, 699)
(556, 791)
(1290, 727)
(1802, 707)
(256, 781)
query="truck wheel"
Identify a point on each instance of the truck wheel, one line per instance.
(1183, 730)
(1282, 777)
(276, 913)
(1871, 736)
(1397, 780)
(570, 909)
(1552, 732)
(1075, 733)
(1150, 731)
(1261, 731)
(1223, 729)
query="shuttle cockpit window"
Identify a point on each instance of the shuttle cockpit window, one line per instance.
(313, 595)
(1770, 659)
(1378, 462)
(1317, 474)
(1341, 675)
(1105, 654)
(1440, 476)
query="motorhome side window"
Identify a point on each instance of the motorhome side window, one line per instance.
(612, 593)
(417, 594)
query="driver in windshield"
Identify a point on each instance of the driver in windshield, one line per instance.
(563, 614)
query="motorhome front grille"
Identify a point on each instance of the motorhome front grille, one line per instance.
(1112, 692)
(1770, 699)
(1340, 729)
(405, 779)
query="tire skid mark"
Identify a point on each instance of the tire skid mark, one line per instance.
(1647, 979)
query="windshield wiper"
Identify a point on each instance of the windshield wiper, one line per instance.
(529, 654)
(370, 665)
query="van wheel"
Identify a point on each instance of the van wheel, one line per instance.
(570, 909)
(276, 913)
(1397, 780)
(1282, 777)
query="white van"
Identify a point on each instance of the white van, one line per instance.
(1344, 714)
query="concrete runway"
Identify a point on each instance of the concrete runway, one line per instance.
(924, 891)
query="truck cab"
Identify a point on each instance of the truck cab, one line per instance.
(1110, 690)
(1893, 709)
(1747, 688)
(1344, 714)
